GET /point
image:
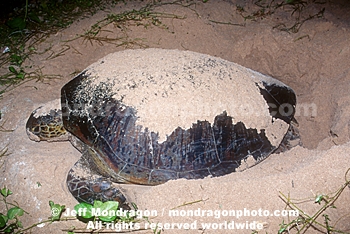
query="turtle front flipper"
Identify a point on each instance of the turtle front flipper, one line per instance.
(87, 186)
(45, 123)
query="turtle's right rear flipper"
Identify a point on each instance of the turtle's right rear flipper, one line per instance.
(291, 139)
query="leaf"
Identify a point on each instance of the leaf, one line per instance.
(56, 211)
(16, 59)
(20, 75)
(17, 23)
(10, 228)
(34, 17)
(3, 220)
(283, 227)
(109, 211)
(110, 205)
(84, 210)
(14, 211)
(13, 70)
(5, 192)
(19, 224)
(97, 204)
(318, 199)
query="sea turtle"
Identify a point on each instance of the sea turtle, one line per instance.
(149, 116)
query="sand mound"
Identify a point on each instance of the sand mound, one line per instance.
(314, 62)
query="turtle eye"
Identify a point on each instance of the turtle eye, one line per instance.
(36, 130)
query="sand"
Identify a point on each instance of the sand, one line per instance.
(313, 61)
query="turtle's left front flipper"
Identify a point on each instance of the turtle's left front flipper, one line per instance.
(88, 186)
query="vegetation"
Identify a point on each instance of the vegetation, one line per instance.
(10, 220)
(34, 23)
(305, 222)
(270, 8)
(26, 27)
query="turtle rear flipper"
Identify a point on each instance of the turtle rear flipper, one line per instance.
(87, 186)
(291, 139)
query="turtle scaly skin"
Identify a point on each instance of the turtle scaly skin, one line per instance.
(82, 180)
(47, 127)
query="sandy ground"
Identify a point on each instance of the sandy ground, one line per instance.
(313, 61)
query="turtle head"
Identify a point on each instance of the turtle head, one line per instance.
(45, 124)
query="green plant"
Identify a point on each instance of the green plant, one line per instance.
(299, 22)
(19, 74)
(145, 16)
(267, 8)
(110, 212)
(30, 25)
(107, 212)
(16, 71)
(304, 222)
(10, 218)
(9, 221)
(102, 214)
(33, 23)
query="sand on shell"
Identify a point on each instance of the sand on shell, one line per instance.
(314, 62)
(172, 88)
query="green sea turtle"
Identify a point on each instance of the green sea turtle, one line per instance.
(149, 116)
